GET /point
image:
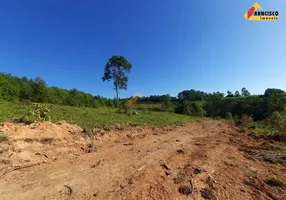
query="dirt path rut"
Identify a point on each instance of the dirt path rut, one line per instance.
(196, 161)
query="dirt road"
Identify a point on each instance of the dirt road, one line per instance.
(202, 160)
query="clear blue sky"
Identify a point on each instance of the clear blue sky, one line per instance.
(173, 45)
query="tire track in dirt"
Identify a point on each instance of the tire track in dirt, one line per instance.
(152, 164)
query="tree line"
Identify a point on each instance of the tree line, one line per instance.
(259, 107)
(36, 90)
(189, 102)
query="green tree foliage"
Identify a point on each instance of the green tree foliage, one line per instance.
(186, 107)
(167, 102)
(157, 99)
(57, 95)
(229, 94)
(246, 121)
(274, 100)
(273, 92)
(192, 95)
(10, 87)
(245, 92)
(190, 108)
(40, 90)
(259, 107)
(116, 69)
(36, 90)
(197, 110)
(236, 94)
(278, 120)
(26, 89)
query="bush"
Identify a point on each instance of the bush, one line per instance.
(190, 108)
(41, 112)
(25, 119)
(246, 121)
(186, 110)
(197, 110)
(228, 116)
(277, 120)
(123, 107)
(166, 104)
(38, 112)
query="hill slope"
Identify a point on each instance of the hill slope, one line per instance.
(91, 117)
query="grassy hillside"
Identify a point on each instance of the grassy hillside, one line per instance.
(146, 106)
(91, 117)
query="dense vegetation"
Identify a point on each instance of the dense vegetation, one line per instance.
(105, 117)
(36, 90)
(268, 107)
(189, 102)
(265, 113)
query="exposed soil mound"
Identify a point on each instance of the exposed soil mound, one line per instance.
(202, 160)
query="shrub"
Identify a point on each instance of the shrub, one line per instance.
(38, 112)
(25, 119)
(277, 120)
(197, 110)
(228, 116)
(123, 107)
(246, 121)
(186, 107)
(41, 112)
(186, 110)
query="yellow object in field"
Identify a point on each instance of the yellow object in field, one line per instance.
(132, 100)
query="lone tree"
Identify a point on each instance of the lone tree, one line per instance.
(116, 69)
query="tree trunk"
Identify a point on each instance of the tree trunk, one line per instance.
(117, 95)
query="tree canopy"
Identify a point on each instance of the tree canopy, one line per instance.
(36, 90)
(116, 69)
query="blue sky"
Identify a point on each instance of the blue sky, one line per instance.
(173, 45)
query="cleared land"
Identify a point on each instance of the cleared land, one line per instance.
(201, 160)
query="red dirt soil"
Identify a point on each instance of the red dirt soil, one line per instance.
(202, 160)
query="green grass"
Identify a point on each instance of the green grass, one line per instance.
(147, 106)
(263, 129)
(93, 117)
(10, 110)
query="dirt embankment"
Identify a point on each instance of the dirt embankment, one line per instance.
(203, 160)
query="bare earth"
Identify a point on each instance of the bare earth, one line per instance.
(202, 160)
